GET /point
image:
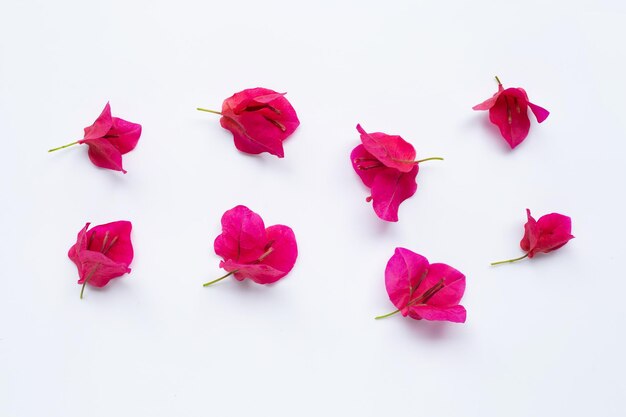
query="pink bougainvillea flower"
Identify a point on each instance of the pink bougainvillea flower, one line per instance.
(386, 164)
(259, 119)
(508, 109)
(548, 233)
(102, 253)
(108, 138)
(424, 291)
(249, 250)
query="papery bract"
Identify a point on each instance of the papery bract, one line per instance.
(260, 120)
(387, 165)
(422, 290)
(102, 253)
(508, 109)
(549, 233)
(108, 138)
(249, 250)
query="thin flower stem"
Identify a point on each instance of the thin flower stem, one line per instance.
(63, 147)
(219, 279)
(509, 260)
(498, 80)
(93, 271)
(434, 158)
(386, 315)
(208, 111)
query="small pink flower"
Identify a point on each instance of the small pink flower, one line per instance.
(424, 291)
(508, 109)
(386, 164)
(102, 253)
(548, 233)
(259, 119)
(249, 250)
(108, 138)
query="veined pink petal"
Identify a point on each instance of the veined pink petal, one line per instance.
(283, 247)
(490, 102)
(454, 314)
(243, 236)
(531, 234)
(101, 126)
(259, 273)
(124, 135)
(366, 165)
(103, 154)
(254, 134)
(403, 275)
(391, 150)
(113, 239)
(510, 114)
(98, 269)
(454, 285)
(389, 189)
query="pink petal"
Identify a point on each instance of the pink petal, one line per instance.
(101, 126)
(243, 236)
(259, 273)
(282, 242)
(103, 154)
(531, 235)
(453, 281)
(254, 134)
(403, 275)
(114, 238)
(393, 151)
(490, 102)
(389, 189)
(540, 113)
(238, 102)
(99, 269)
(510, 114)
(124, 135)
(365, 165)
(260, 120)
(555, 231)
(455, 314)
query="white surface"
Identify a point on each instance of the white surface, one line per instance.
(543, 338)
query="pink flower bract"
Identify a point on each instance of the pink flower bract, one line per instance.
(108, 138)
(508, 109)
(386, 164)
(260, 120)
(548, 233)
(249, 250)
(422, 290)
(102, 253)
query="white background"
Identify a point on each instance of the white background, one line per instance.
(544, 337)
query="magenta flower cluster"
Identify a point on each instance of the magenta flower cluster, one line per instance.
(260, 120)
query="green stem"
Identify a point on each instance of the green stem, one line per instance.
(208, 111)
(498, 80)
(509, 260)
(434, 158)
(386, 315)
(219, 279)
(93, 271)
(63, 147)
